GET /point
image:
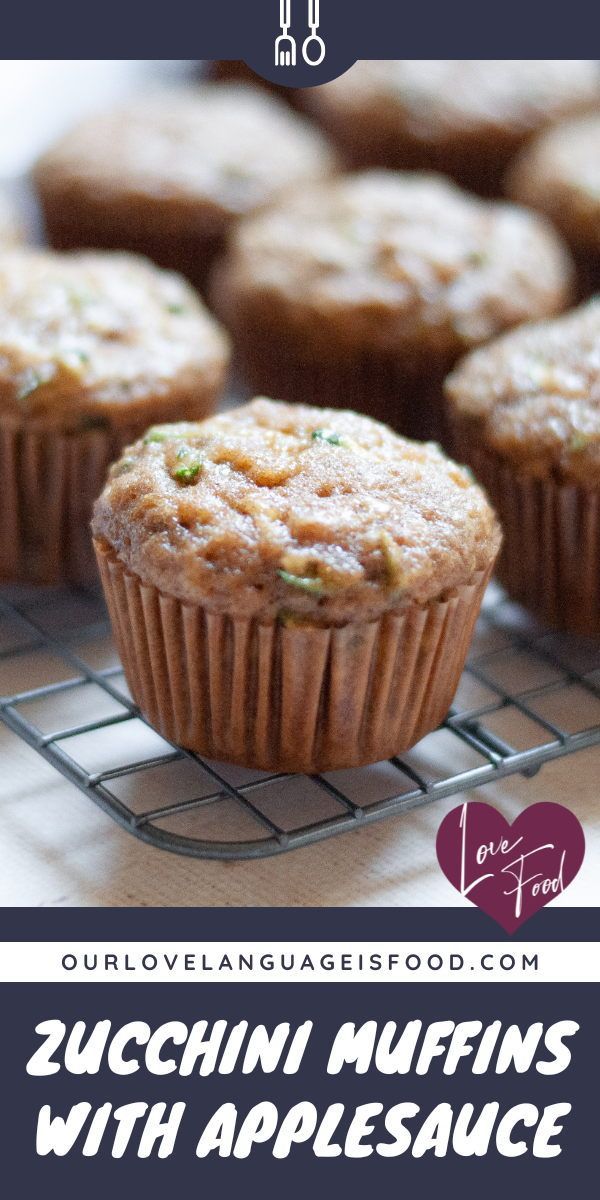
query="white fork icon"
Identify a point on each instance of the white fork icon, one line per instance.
(285, 45)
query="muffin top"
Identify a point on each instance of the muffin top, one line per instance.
(534, 396)
(273, 510)
(392, 262)
(10, 229)
(436, 100)
(560, 175)
(97, 337)
(198, 158)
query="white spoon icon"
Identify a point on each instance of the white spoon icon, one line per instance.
(313, 58)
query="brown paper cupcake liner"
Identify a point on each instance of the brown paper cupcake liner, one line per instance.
(409, 402)
(364, 145)
(50, 480)
(288, 698)
(550, 560)
(72, 225)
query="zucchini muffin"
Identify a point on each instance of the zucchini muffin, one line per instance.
(362, 292)
(560, 176)
(292, 588)
(168, 175)
(93, 348)
(525, 412)
(465, 117)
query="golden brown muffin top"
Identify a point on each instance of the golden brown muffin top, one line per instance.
(390, 261)
(560, 175)
(534, 396)
(100, 335)
(273, 509)
(11, 232)
(435, 100)
(200, 157)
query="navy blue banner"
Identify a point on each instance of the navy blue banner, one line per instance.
(254, 1086)
(527, 1120)
(352, 29)
(292, 924)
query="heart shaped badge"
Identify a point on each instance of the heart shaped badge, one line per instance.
(510, 871)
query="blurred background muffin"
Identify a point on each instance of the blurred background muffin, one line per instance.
(168, 175)
(363, 291)
(559, 174)
(93, 348)
(292, 588)
(525, 413)
(464, 117)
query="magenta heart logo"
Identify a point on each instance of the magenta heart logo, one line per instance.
(510, 871)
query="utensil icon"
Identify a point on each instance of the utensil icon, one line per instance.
(285, 45)
(313, 56)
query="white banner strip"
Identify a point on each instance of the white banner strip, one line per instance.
(295, 962)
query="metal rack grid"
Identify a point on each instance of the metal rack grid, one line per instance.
(527, 696)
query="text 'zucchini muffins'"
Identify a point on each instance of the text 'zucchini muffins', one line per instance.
(169, 174)
(93, 348)
(466, 117)
(525, 412)
(560, 176)
(292, 588)
(363, 292)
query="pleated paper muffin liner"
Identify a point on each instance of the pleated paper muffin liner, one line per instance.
(72, 224)
(288, 697)
(50, 480)
(550, 560)
(407, 400)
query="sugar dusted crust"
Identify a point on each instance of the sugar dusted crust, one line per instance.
(394, 263)
(290, 511)
(185, 162)
(533, 396)
(103, 337)
(560, 175)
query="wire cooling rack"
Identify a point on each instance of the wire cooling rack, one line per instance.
(527, 695)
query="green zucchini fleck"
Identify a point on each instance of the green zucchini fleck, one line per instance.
(155, 435)
(188, 474)
(326, 435)
(305, 583)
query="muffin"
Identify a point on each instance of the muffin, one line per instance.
(560, 176)
(168, 175)
(363, 291)
(292, 588)
(93, 348)
(525, 412)
(466, 117)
